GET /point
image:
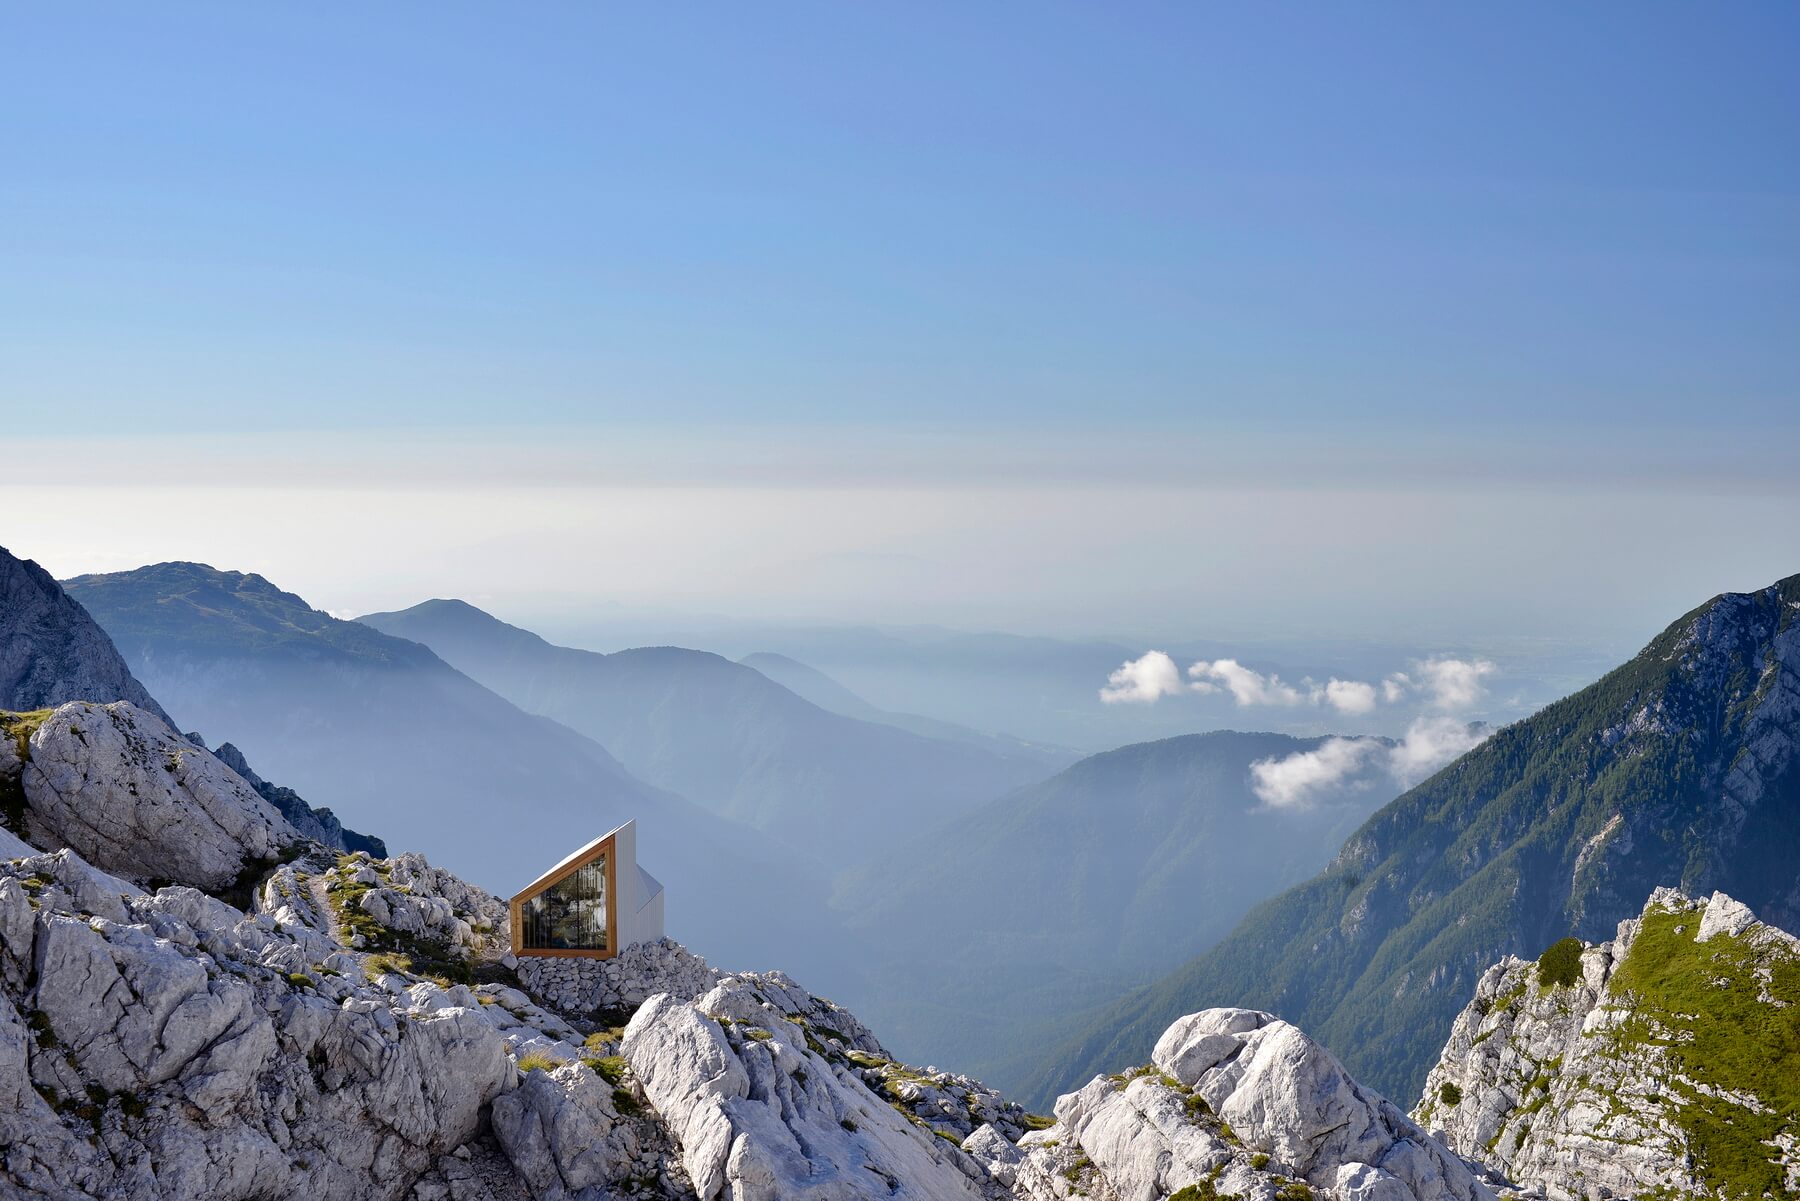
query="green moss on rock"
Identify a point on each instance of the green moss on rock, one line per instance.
(1701, 1003)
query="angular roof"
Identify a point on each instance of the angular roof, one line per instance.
(587, 851)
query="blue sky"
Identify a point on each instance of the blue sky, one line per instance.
(1384, 247)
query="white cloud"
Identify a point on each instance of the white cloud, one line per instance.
(1441, 682)
(1350, 696)
(1247, 687)
(1296, 781)
(1430, 743)
(1454, 683)
(1302, 779)
(1143, 680)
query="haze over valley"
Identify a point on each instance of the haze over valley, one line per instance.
(900, 603)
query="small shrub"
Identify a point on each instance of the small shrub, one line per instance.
(1449, 1094)
(299, 979)
(1202, 1191)
(1560, 964)
(847, 1124)
(625, 1103)
(1259, 1161)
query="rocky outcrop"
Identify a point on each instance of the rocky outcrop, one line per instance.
(320, 825)
(1234, 1103)
(358, 1034)
(762, 1110)
(1658, 1063)
(179, 1048)
(51, 651)
(135, 798)
(172, 1046)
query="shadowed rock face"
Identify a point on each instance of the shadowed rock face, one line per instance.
(51, 651)
(320, 825)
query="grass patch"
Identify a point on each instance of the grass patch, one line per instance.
(1449, 1094)
(626, 1104)
(1036, 1121)
(611, 1068)
(1699, 1002)
(389, 950)
(538, 1061)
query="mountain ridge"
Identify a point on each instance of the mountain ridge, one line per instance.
(1556, 825)
(722, 734)
(1117, 868)
(397, 739)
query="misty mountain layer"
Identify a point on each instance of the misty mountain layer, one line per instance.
(397, 739)
(999, 930)
(728, 737)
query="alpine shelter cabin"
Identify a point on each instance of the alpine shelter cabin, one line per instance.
(591, 905)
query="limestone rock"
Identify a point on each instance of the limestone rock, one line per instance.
(1242, 1104)
(172, 1027)
(1582, 1089)
(133, 797)
(759, 1114)
(620, 984)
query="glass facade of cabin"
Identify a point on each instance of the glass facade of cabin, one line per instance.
(569, 915)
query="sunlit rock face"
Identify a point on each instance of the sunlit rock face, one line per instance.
(119, 786)
(1657, 1063)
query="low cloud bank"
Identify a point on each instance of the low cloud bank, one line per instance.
(1441, 682)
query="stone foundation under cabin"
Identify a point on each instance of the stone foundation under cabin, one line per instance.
(577, 984)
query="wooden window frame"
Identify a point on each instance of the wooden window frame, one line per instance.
(517, 907)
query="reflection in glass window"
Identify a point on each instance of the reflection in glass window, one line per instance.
(570, 915)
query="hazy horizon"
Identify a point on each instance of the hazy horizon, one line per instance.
(1423, 328)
